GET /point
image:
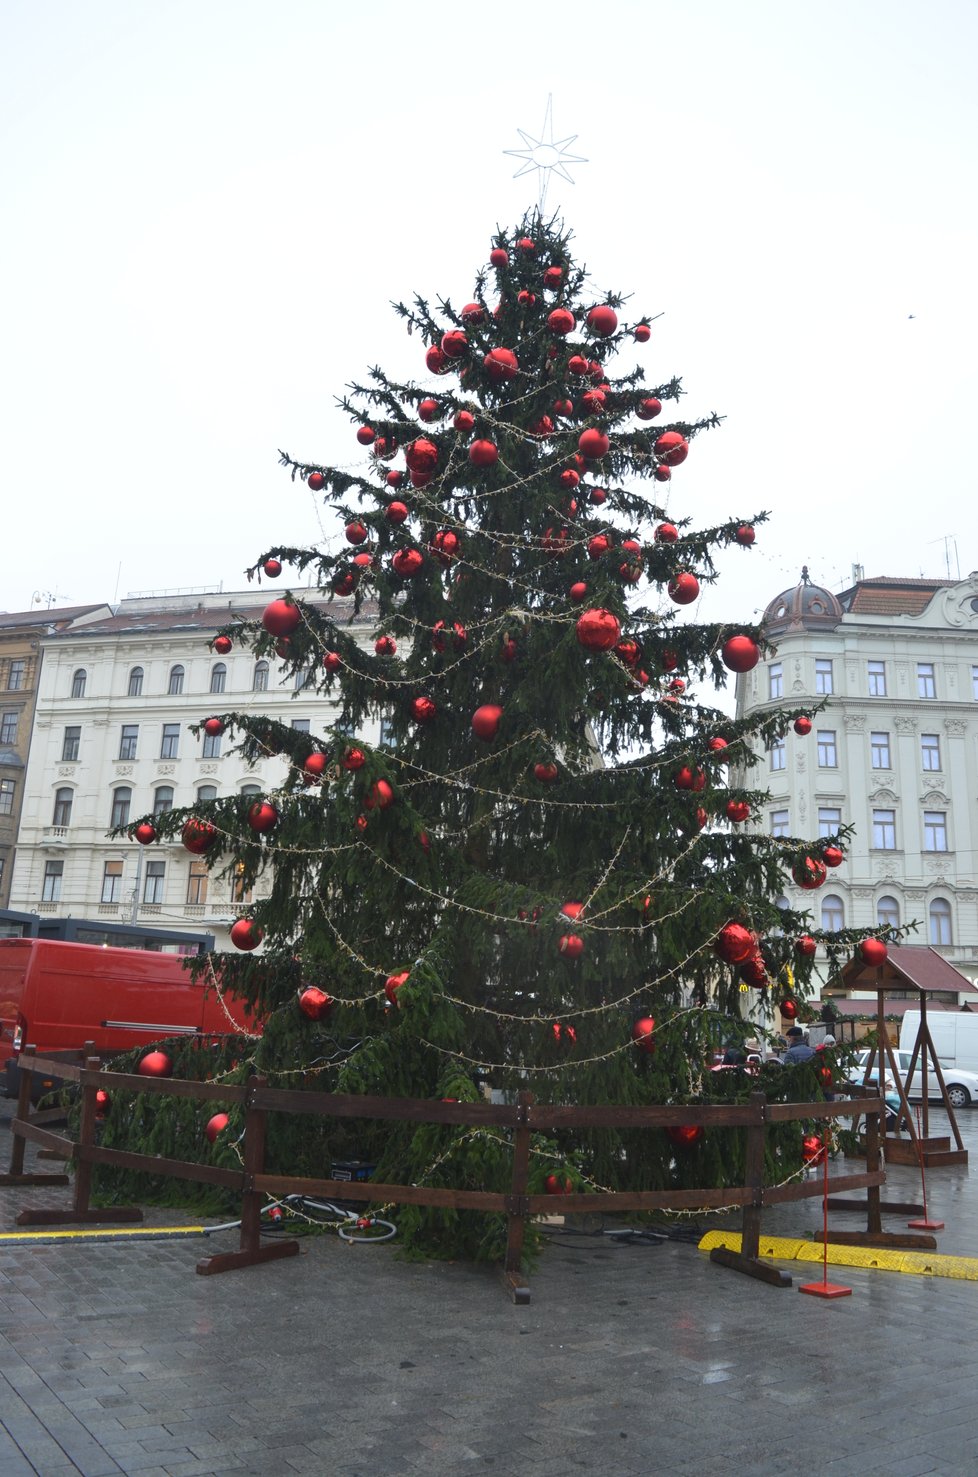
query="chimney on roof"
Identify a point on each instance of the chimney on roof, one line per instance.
(858, 573)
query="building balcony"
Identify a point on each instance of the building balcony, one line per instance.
(108, 908)
(54, 836)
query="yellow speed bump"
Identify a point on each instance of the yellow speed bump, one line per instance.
(101, 1233)
(791, 1249)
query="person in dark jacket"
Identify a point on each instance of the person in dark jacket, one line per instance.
(798, 1048)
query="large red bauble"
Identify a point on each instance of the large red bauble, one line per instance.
(740, 654)
(563, 407)
(501, 364)
(571, 945)
(873, 952)
(593, 402)
(473, 313)
(545, 773)
(738, 811)
(598, 630)
(561, 321)
(672, 448)
(429, 410)
(483, 453)
(745, 535)
(381, 795)
(385, 646)
(499, 257)
(662, 474)
(602, 321)
(445, 545)
(145, 833)
(454, 344)
(198, 835)
(316, 481)
(598, 546)
(422, 455)
(485, 721)
(802, 725)
(684, 588)
(542, 427)
(593, 444)
(436, 360)
(734, 943)
(315, 1003)
(526, 299)
(753, 971)
(344, 583)
(272, 568)
(649, 408)
(554, 1185)
(577, 364)
(394, 982)
(628, 651)
(464, 420)
(809, 874)
(642, 333)
(578, 592)
(423, 710)
(813, 1151)
(569, 478)
(353, 759)
(690, 779)
(643, 1034)
(281, 618)
(385, 447)
(572, 910)
(366, 435)
(553, 277)
(805, 946)
(685, 1135)
(355, 533)
(332, 661)
(155, 1064)
(833, 856)
(213, 727)
(262, 816)
(394, 479)
(719, 747)
(407, 562)
(666, 533)
(789, 1008)
(670, 661)
(315, 765)
(222, 645)
(215, 1126)
(525, 245)
(246, 935)
(396, 512)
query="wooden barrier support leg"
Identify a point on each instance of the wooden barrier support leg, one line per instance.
(16, 1175)
(516, 1210)
(250, 1250)
(747, 1259)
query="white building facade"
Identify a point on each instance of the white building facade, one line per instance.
(111, 742)
(894, 752)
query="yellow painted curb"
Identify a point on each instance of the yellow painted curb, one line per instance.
(102, 1233)
(791, 1249)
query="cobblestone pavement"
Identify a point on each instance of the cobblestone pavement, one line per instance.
(630, 1360)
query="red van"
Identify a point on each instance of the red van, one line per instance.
(55, 996)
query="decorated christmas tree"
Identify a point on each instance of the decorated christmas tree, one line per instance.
(545, 875)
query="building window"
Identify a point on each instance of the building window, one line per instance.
(162, 799)
(62, 807)
(153, 886)
(219, 676)
(15, 675)
(78, 683)
(70, 744)
(8, 728)
(251, 790)
(935, 830)
(829, 820)
(51, 889)
(6, 797)
(127, 743)
(112, 882)
(241, 890)
(301, 725)
(197, 883)
(135, 688)
(779, 823)
(212, 746)
(939, 916)
(974, 683)
(121, 801)
(259, 681)
(823, 676)
(930, 751)
(833, 913)
(206, 793)
(305, 679)
(876, 673)
(777, 754)
(170, 747)
(775, 680)
(175, 685)
(926, 686)
(827, 756)
(879, 748)
(888, 912)
(884, 830)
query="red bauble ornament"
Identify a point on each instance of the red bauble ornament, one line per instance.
(102, 1101)
(598, 495)
(561, 321)
(578, 592)
(628, 651)
(598, 630)
(805, 946)
(385, 646)
(734, 943)
(222, 645)
(246, 934)
(745, 535)
(643, 1034)
(738, 811)
(542, 427)
(872, 952)
(545, 773)
(593, 402)
(215, 1126)
(213, 727)
(563, 407)
(281, 618)
(813, 1151)
(381, 795)
(509, 650)
(464, 420)
(499, 257)
(740, 654)
(272, 568)
(155, 1064)
(385, 447)
(685, 1135)
(809, 874)
(436, 360)
(569, 478)
(802, 726)
(394, 982)
(483, 453)
(316, 481)
(554, 1185)
(262, 816)
(198, 835)
(571, 945)
(525, 245)
(423, 710)
(332, 661)
(422, 455)
(789, 1008)
(649, 408)
(662, 474)
(394, 479)
(553, 277)
(572, 910)
(684, 588)
(833, 856)
(454, 344)
(603, 321)
(283, 648)
(355, 533)
(445, 545)
(314, 1003)
(501, 364)
(753, 971)
(145, 833)
(578, 365)
(315, 766)
(719, 747)
(366, 435)
(666, 533)
(363, 560)
(689, 779)
(526, 299)
(343, 584)
(593, 444)
(473, 313)
(353, 759)
(642, 333)
(407, 562)
(485, 721)
(396, 512)
(672, 448)
(598, 546)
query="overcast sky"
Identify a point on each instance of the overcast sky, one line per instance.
(208, 206)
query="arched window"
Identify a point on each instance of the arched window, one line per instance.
(175, 684)
(162, 799)
(251, 789)
(135, 682)
(888, 912)
(206, 792)
(62, 807)
(940, 921)
(121, 801)
(219, 675)
(833, 913)
(260, 680)
(78, 682)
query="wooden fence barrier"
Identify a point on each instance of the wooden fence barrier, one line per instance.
(521, 1119)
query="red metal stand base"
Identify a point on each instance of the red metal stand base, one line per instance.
(925, 1225)
(825, 1289)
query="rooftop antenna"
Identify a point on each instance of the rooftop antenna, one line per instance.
(947, 540)
(546, 155)
(48, 597)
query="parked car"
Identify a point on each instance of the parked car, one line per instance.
(962, 1087)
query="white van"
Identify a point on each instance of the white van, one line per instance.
(953, 1032)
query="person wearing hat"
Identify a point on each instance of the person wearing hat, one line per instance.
(798, 1048)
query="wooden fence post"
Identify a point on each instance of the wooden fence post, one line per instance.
(16, 1175)
(747, 1259)
(517, 1208)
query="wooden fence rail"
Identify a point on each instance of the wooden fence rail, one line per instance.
(522, 1118)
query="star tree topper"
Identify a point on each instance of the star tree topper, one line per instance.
(546, 154)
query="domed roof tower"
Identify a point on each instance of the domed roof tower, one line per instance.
(807, 607)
